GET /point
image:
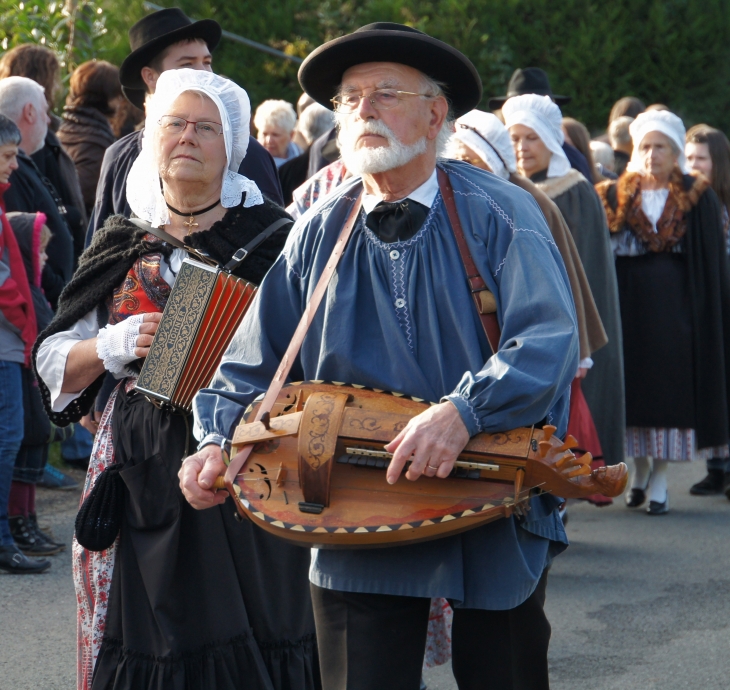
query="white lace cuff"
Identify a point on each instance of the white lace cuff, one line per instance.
(115, 345)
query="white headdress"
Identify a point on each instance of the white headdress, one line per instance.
(488, 137)
(542, 115)
(657, 121)
(143, 183)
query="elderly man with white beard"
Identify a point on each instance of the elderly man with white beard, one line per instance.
(399, 315)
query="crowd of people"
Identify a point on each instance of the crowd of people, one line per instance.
(606, 261)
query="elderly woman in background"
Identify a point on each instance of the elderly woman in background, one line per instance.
(666, 232)
(183, 598)
(85, 130)
(275, 123)
(708, 152)
(535, 127)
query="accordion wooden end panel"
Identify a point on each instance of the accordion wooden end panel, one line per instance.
(205, 307)
(316, 475)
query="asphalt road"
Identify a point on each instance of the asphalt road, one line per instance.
(635, 602)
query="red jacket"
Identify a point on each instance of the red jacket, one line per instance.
(16, 302)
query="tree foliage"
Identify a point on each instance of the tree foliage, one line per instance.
(675, 52)
(76, 30)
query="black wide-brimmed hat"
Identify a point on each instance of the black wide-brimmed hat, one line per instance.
(321, 72)
(150, 36)
(528, 80)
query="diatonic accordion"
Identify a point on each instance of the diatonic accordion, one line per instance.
(205, 307)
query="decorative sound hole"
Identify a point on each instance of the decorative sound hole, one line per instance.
(256, 486)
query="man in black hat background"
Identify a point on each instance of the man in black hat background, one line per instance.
(164, 40)
(400, 316)
(535, 80)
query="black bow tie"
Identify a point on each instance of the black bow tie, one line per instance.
(397, 222)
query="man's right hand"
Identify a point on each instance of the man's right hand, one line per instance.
(197, 475)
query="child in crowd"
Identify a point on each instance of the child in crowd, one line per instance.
(33, 236)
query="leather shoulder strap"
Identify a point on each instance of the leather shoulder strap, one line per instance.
(158, 232)
(477, 286)
(240, 254)
(287, 361)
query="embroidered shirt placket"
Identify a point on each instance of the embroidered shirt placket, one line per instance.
(400, 303)
(397, 252)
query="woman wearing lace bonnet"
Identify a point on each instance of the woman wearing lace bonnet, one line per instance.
(535, 126)
(481, 139)
(666, 232)
(182, 594)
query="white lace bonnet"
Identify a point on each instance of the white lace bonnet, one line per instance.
(143, 183)
(489, 139)
(542, 115)
(662, 121)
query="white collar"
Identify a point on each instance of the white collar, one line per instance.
(425, 194)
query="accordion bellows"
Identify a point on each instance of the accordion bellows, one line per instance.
(205, 307)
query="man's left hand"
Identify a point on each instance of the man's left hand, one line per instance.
(432, 441)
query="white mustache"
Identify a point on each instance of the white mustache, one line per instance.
(356, 129)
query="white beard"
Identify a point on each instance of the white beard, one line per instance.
(371, 161)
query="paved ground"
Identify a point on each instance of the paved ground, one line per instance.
(636, 602)
(639, 601)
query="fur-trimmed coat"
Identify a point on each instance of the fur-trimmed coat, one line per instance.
(692, 216)
(603, 386)
(115, 248)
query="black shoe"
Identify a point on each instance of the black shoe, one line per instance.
(39, 534)
(635, 498)
(27, 541)
(13, 560)
(656, 508)
(711, 485)
(726, 485)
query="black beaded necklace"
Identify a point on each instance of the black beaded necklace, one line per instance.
(190, 223)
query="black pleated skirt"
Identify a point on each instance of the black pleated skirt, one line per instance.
(656, 318)
(198, 600)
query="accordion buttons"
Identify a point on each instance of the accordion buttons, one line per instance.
(400, 303)
(395, 255)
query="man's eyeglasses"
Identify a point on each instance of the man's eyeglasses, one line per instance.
(380, 99)
(177, 125)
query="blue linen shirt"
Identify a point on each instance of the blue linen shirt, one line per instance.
(400, 317)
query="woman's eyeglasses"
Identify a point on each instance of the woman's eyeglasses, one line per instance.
(177, 125)
(380, 99)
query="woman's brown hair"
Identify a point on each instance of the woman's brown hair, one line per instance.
(35, 62)
(581, 139)
(94, 84)
(629, 106)
(719, 148)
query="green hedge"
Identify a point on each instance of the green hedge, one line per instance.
(671, 51)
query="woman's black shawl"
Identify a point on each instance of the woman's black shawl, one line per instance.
(709, 284)
(115, 248)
